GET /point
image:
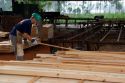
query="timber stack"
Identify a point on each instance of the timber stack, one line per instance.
(67, 67)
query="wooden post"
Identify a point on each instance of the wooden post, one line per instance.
(39, 30)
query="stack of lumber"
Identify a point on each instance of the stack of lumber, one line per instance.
(4, 34)
(85, 57)
(66, 67)
(81, 57)
(39, 72)
(5, 47)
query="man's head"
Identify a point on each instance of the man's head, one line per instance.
(35, 18)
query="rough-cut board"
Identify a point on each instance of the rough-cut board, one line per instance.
(91, 54)
(83, 67)
(30, 79)
(85, 57)
(14, 78)
(61, 73)
(36, 72)
(92, 57)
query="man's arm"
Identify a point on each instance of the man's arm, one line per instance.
(27, 36)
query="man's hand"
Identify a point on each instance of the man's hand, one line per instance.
(34, 42)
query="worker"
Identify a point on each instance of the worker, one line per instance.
(23, 28)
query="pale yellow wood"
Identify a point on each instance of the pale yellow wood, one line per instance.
(89, 54)
(46, 55)
(91, 57)
(14, 78)
(93, 61)
(56, 80)
(46, 58)
(61, 73)
(34, 79)
(95, 82)
(83, 67)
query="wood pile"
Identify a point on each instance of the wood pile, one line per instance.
(66, 67)
(85, 57)
(39, 72)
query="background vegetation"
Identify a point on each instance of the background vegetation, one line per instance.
(110, 9)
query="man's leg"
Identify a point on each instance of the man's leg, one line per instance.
(20, 52)
(13, 42)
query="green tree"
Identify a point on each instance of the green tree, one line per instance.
(105, 6)
(117, 4)
(70, 9)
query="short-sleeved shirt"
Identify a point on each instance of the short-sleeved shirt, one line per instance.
(23, 27)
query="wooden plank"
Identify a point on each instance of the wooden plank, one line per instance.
(46, 55)
(46, 58)
(14, 78)
(27, 79)
(95, 82)
(82, 67)
(104, 60)
(83, 54)
(94, 61)
(50, 45)
(56, 80)
(61, 73)
(34, 79)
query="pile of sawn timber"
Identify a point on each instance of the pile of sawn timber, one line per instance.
(85, 57)
(66, 67)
